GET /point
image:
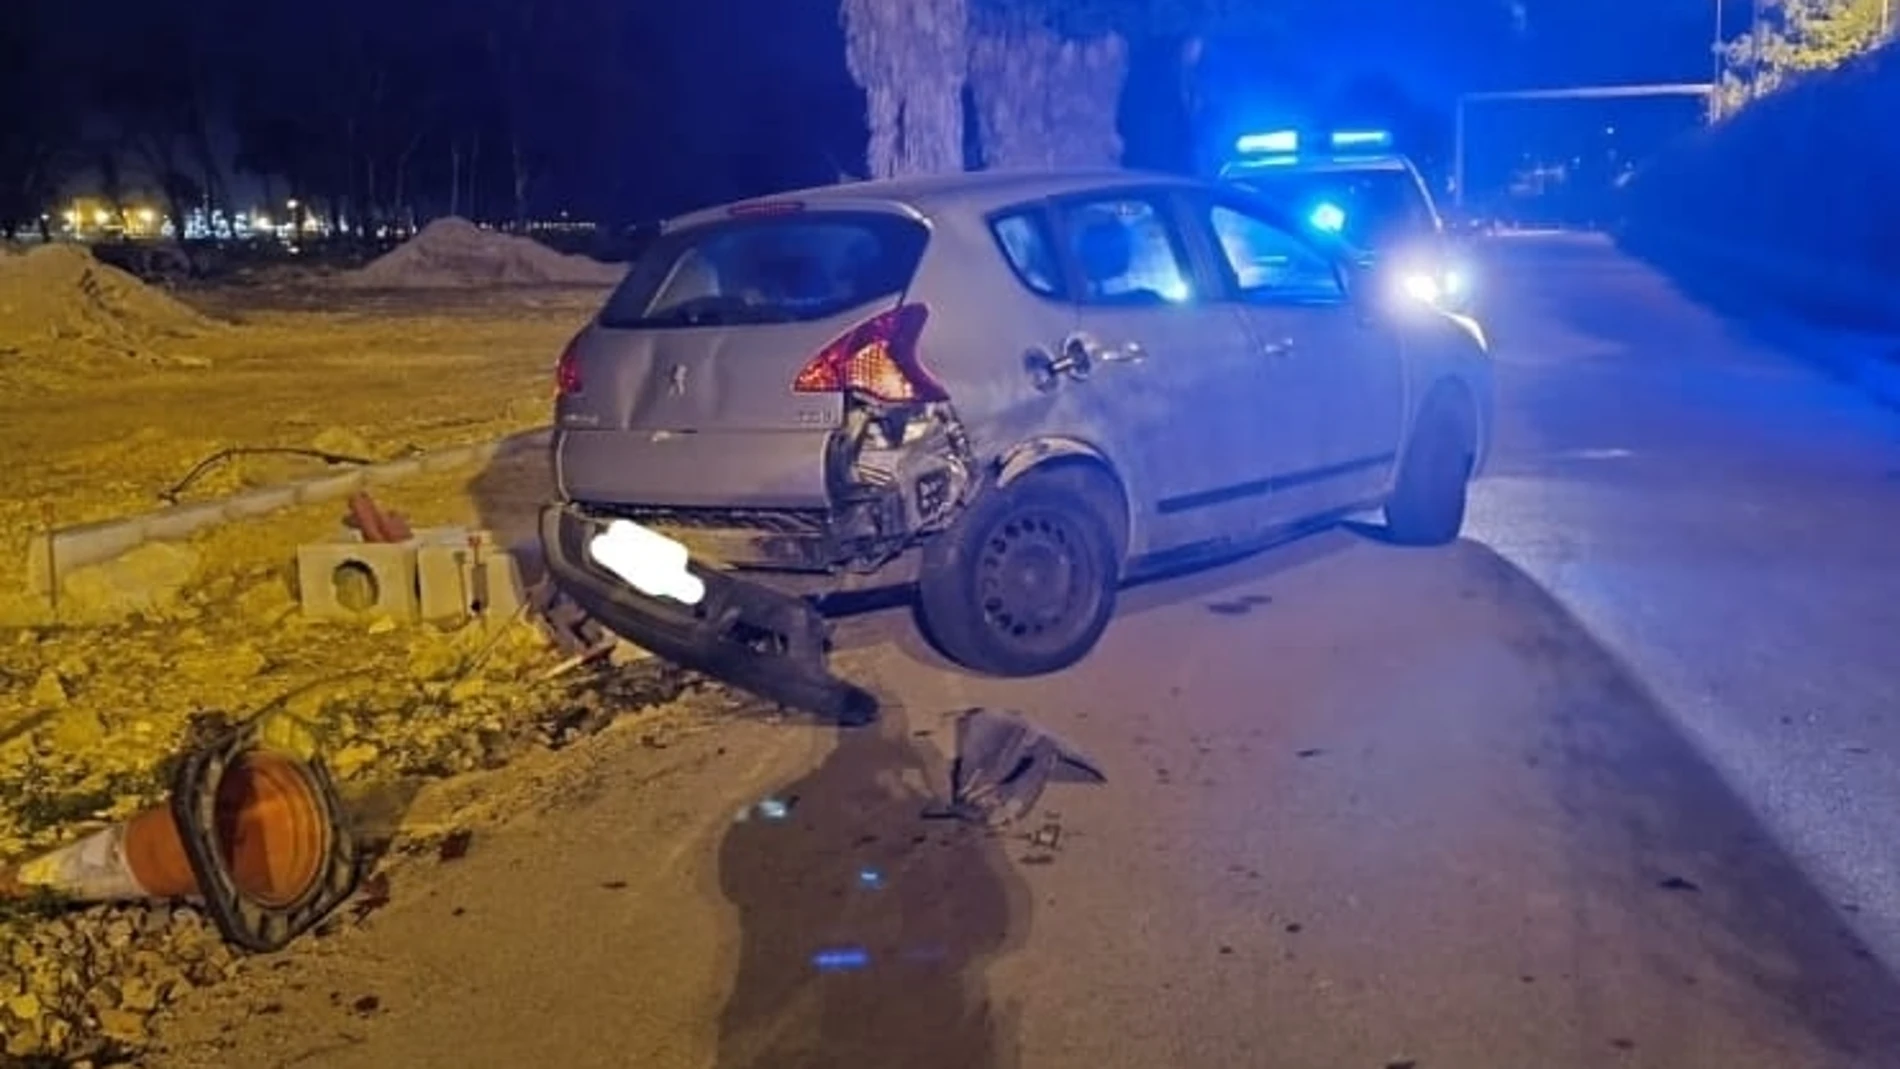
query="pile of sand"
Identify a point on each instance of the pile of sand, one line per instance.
(57, 300)
(454, 253)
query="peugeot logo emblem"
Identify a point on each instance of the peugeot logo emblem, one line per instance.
(676, 381)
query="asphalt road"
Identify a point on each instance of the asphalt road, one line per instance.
(1603, 785)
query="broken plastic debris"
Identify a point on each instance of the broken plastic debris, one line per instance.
(768, 809)
(1002, 765)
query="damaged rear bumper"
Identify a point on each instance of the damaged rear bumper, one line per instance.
(743, 632)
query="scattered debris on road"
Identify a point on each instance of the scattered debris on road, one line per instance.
(1002, 766)
(454, 846)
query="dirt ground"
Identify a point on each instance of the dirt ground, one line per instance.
(90, 712)
(375, 374)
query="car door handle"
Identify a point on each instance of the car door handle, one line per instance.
(1080, 350)
(1274, 350)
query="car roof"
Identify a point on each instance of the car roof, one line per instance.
(923, 195)
(1316, 165)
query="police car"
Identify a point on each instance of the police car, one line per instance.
(1351, 185)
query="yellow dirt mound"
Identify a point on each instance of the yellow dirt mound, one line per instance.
(454, 253)
(57, 301)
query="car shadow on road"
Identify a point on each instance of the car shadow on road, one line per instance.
(865, 928)
(1649, 816)
(889, 618)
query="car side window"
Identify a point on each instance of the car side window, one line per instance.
(1031, 252)
(1127, 251)
(1269, 264)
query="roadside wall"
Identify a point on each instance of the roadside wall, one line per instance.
(1795, 201)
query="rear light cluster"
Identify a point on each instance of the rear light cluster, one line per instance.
(877, 358)
(567, 372)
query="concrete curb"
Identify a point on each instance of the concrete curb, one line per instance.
(53, 555)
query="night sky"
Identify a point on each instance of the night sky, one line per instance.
(628, 109)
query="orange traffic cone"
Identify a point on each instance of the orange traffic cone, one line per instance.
(272, 835)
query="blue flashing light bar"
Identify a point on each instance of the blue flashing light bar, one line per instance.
(1328, 217)
(1272, 141)
(1343, 139)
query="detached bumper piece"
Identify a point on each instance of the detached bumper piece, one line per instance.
(743, 633)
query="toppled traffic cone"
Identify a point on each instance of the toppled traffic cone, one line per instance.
(254, 832)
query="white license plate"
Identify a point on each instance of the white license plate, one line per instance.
(647, 561)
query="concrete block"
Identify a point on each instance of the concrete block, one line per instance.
(77, 547)
(177, 523)
(341, 581)
(502, 584)
(445, 581)
(449, 459)
(469, 576)
(452, 535)
(330, 487)
(260, 502)
(393, 472)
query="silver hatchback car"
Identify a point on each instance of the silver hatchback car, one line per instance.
(1012, 391)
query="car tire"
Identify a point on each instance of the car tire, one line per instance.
(1024, 583)
(1427, 508)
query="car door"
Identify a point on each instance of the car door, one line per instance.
(1325, 373)
(1166, 356)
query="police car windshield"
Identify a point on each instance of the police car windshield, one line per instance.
(1368, 208)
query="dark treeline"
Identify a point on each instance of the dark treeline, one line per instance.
(386, 111)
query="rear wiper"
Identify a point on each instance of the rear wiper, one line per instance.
(715, 315)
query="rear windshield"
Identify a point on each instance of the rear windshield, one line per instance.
(768, 269)
(1371, 208)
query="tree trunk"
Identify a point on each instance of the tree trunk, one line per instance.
(1042, 101)
(216, 191)
(455, 178)
(474, 176)
(909, 58)
(373, 190)
(519, 164)
(401, 191)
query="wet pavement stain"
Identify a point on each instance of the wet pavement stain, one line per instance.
(1240, 606)
(866, 929)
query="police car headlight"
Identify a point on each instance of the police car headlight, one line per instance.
(1421, 286)
(1445, 288)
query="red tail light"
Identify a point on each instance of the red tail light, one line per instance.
(567, 373)
(878, 358)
